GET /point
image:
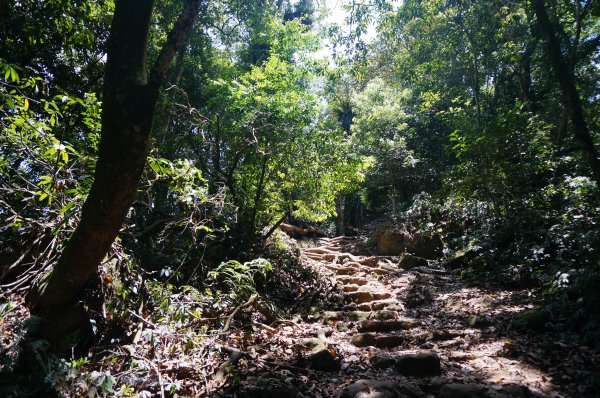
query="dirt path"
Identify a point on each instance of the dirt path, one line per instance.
(394, 332)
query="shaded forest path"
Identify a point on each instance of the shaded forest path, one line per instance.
(389, 332)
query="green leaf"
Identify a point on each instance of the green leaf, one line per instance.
(66, 208)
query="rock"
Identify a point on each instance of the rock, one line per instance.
(532, 320)
(313, 343)
(462, 391)
(323, 360)
(341, 270)
(420, 337)
(386, 326)
(433, 385)
(379, 362)
(513, 391)
(420, 364)
(353, 280)
(382, 295)
(384, 304)
(410, 262)
(384, 315)
(350, 288)
(342, 327)
(478, 321)
(371, 389)
(345, 315)
(427, 246)
(392, 242)
(363, 340)
(269, 388)
(419, 295)
(460, 260)
(361, 297)
(389, 341)
(320, 358)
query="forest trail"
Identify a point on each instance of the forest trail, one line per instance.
(394, 332)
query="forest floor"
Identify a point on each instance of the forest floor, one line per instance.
(419, 332)
(368, 326)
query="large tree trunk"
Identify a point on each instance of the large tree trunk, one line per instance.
(571, 99)
(129, 101)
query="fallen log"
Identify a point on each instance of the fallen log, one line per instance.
(297, 232)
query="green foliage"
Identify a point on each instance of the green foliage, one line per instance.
(48, 142)
(238, 280)
(183, 179)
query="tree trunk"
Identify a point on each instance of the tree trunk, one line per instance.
(340, 228)
(571, 99)
(129, 103)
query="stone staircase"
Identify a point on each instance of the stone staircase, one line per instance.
(370, 302)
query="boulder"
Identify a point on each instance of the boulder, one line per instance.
(421, 364)
(320, 358)
(371, 389)
(323, 360)
(392, 243)
(409, 262)
(530, 320)
(427, 246)
(461, 260)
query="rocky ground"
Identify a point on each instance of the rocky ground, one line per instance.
(403, 326)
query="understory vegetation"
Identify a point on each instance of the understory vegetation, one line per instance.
(450, 118)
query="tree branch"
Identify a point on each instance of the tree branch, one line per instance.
(175, 40)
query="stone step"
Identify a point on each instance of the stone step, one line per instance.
(352, 280)
(361, 297)
(386, 326)
(382, 271)
(350, 288)
(421, 364)
(346, 315)
(384, 315)
(357, 316)
(391, 341)
(373, 340)
(322, 250)
(341, 270)
(378, 305)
